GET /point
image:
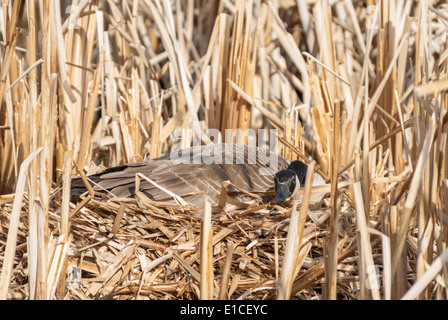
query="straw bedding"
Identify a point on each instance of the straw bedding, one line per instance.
(356, 89)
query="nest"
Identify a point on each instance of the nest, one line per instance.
(128, 248)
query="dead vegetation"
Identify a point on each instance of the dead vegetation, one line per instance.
(110, 82)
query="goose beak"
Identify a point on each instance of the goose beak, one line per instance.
(282, 192)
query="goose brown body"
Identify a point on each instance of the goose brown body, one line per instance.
(194, 170)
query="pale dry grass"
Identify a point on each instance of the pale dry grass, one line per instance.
(109, 82)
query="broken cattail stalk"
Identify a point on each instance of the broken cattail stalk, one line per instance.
(206, 254)
(223, 294)
(293, 242)
(13, 226)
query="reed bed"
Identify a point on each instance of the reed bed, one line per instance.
(355, 89)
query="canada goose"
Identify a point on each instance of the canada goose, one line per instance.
(203, 168)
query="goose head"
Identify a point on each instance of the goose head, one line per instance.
(288, 181)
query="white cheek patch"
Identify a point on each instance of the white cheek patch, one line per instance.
(297, 188)
(315, 198)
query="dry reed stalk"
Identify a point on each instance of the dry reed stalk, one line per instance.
(155, 136)
(57, 268)
(176, 197)
(288, 267)
(366, 265)
(289, 45)
(424, 220)
(310, 276)
(112, 268)
(331, 260)
(235, 112)
(118, 218)
(171, 44)
(60, 48)
(44, 171)
(79, 42)
(399, 281)
(427, 277)
(31, 144)
(320, 120)
(65, 223)
(275, 120)
(7, 170)
(294, 240)
(329, 91)
(12, 234)
(412, 195)
(91, 102)
(387, 262)
(133, 118)
(66, 183)
(11, 38)
(196, 275)
(223, 294)
(386, 47)
(206, 281)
